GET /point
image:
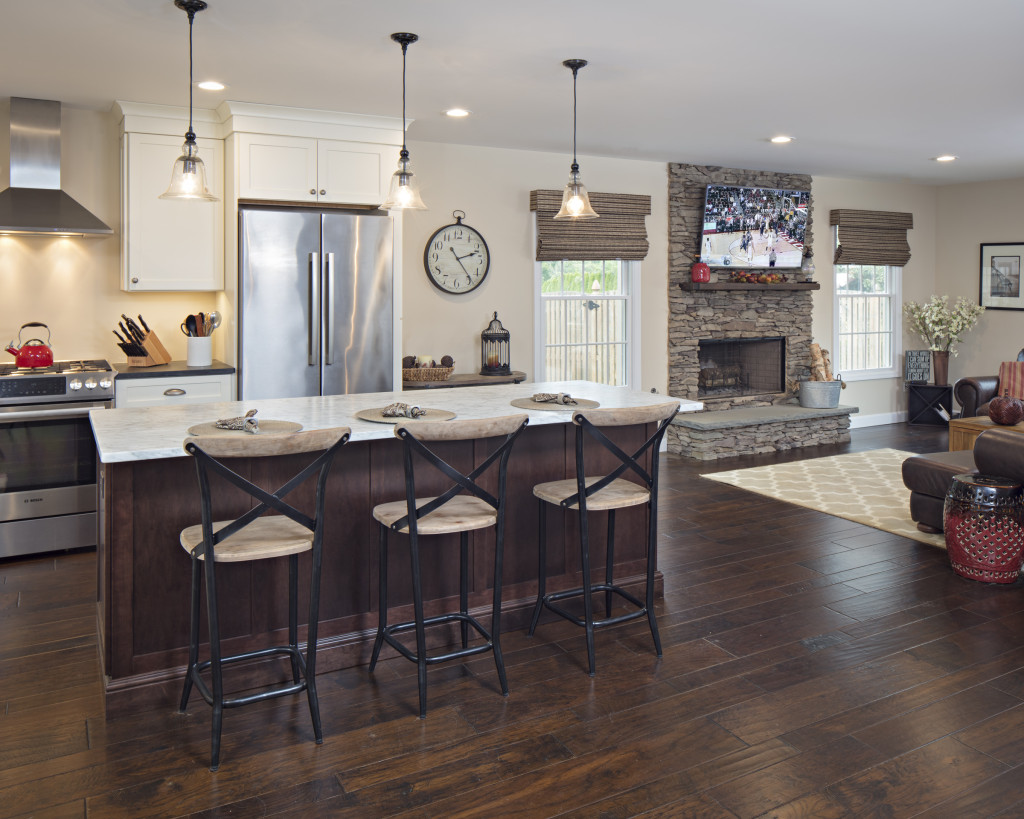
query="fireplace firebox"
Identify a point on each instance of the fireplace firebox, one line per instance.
(741, 366)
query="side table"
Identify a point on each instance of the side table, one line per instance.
(924, 402)
(983, 519)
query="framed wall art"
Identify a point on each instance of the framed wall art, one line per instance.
(1000, 276)
(917, 366)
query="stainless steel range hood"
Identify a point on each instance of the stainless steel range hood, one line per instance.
(34, 203)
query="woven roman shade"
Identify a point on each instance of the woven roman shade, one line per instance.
(871, 236)
(620, 233)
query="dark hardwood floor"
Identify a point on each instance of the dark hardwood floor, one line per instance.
(813, 667)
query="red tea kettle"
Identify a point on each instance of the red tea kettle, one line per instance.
(34, 352)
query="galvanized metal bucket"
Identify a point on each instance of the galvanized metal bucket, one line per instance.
(820, 394)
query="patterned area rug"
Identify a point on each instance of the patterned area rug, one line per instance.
(866, 487)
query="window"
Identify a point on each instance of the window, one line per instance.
(587, 319)
(867, 321)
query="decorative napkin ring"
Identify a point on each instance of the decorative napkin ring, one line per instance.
(400, 410)
(247, 422)
(553, 398)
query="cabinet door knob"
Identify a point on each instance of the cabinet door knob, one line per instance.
(135, 279)
(322, 191)
(174, 391)
(312, 191)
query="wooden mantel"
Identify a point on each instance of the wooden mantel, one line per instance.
(695, 286)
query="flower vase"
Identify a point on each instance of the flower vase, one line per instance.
(940, 367)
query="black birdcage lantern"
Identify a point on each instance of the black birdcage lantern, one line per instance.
(494, 349)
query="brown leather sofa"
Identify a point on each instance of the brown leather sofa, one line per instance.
(928, 477)
(973, 392)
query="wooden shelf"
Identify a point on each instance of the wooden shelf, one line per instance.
(694, 286)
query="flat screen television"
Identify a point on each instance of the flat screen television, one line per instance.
(753, 227)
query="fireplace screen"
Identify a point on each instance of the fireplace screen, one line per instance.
(741, 366)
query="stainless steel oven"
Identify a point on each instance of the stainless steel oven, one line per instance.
(48, 497)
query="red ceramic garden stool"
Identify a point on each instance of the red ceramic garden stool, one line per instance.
(983, 519)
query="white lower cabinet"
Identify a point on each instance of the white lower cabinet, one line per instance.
(166, 392)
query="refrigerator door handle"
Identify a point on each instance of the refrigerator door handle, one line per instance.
(329, 311)
(313, 325)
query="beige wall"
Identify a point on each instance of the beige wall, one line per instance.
(72, 285)
(881, 398)
(972, 215)
(493, 187)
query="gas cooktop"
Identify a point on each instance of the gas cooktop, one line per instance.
(61, 382)
(95, 365)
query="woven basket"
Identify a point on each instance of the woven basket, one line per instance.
(426, 373)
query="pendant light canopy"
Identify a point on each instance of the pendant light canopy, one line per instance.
(575, 199)
(404, 193)
(188, 178)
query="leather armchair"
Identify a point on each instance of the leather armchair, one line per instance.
(973, 392)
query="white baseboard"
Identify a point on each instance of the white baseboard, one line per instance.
(877, 420)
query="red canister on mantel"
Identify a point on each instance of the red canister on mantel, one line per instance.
(700, 272)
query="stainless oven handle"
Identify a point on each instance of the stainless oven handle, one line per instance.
(77, 411)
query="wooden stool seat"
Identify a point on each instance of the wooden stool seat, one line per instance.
(264, 538)
(463, 513)
(616, 495)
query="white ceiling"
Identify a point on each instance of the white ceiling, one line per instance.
(869, 88)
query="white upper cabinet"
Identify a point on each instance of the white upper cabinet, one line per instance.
(303, 169)
(169, 244)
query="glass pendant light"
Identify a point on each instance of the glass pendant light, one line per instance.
(404, 193)
(188, 178)
(575, 199)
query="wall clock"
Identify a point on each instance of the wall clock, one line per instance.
(456, 257)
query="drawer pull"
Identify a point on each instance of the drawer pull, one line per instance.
(174, 391)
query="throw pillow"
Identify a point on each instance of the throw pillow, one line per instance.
(1011, 379)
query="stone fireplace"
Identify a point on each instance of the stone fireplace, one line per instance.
(721, 325)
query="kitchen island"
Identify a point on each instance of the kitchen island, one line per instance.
(148, 494)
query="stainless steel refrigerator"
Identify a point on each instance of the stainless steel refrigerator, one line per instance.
(316, 296)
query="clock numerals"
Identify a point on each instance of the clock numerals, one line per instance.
(456, 258)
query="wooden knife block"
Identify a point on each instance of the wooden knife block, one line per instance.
(155, 353)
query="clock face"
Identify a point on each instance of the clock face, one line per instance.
(456, 258)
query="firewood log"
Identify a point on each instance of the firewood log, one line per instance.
(817, 363)
(828, 364)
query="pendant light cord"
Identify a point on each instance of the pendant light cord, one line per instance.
(405, 152)
(191, 17)
(575, 166)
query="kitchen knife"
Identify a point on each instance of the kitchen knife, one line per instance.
(136, 330)
(127, 333)
(120, 337)
(145, 326)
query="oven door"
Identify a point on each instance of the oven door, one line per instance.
(47, 478)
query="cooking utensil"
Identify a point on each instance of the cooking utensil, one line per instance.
(33, 353)
(145, 326)
(214, 317)
(136, 330)
(201, 324)
(188, 326)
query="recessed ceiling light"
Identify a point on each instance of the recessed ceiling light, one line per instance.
(781, 139)
(944, 158)
(211, 85)
(457, 112)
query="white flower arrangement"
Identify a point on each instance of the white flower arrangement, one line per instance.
(941, 326)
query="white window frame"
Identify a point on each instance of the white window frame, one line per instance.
(895, 275)
(631, 270)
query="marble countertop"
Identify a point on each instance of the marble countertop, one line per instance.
(146, 433)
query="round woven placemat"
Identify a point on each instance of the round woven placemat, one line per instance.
(529, 403)
(376, 415)
(267, 427)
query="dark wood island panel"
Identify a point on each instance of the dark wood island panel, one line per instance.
(144, 572)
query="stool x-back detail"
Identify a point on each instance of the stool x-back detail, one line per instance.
(449, 512)
(609, 492)
(256, 537)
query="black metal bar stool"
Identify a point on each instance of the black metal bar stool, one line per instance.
(586, 493)
(465, 506)
(254, 536)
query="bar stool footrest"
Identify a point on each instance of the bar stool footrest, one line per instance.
(409, 654)
(549, 603)
(270, 693)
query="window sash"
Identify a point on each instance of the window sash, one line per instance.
(867, 326)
